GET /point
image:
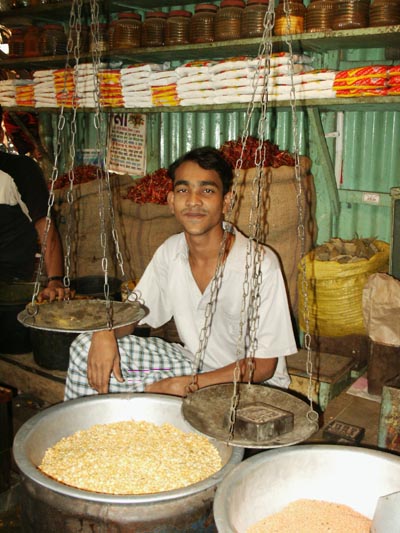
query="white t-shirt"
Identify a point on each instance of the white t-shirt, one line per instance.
(168, 289)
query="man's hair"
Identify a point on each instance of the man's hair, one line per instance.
(208, 158)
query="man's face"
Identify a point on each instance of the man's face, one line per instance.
(197, 198)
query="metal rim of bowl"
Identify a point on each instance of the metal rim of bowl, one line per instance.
(32, 472)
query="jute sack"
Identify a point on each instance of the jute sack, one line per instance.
(86, 252)
(334, 292)
(144, 228)
(279, 216)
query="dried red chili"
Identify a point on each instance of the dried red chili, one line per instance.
(271, 155)
(82, 174)
(151, 189)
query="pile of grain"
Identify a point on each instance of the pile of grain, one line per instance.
(131, 458)
(313, 516)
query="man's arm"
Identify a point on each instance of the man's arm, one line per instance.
(104, 359)
(178, 386)
(53, 260)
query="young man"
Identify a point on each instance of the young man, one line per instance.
(177, 283)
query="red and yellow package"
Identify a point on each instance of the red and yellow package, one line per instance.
(394, 70)
(354, 93)
(373, 71)
(360, 83)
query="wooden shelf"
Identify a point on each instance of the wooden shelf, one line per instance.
(388, 103)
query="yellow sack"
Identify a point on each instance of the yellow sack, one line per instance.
(334, 292)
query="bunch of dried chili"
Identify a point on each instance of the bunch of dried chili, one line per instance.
(270, 154)
(81, 174)
(151, 189)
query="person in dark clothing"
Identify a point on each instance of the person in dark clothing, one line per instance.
(23, 209)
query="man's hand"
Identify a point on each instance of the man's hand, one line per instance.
(103, 360)
(54, 291)
(177, 386)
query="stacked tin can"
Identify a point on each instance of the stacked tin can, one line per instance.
(202, 23)
(153, 28)
(125, 31)
(384, 13)
(177, 29)
(53, 40)
(290, 21)
(253, 18)
(228, 20)
(319, 15)
(350, 14)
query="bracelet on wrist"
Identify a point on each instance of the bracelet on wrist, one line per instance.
(55, 278)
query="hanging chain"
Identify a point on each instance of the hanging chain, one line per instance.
(209, 313)
(263, 52)
(102, 172)
(74, 22)
(75, 26)
(312, 415)
(98, 123)
(254, 254)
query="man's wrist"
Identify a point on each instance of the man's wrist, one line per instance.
(55, 278)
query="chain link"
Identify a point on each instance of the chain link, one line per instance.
(74, 23)
(312, 415)
(253, 276)
(103, 175)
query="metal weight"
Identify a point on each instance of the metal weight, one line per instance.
(207, 410)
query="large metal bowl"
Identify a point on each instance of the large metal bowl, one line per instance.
(49, 505)
(267, 482)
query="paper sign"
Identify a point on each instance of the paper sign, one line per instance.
(127, 147)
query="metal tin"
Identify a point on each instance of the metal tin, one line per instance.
(177, 29)
(319, 15)
(53, 40)
(125, 31)
(101, 42)
(202, 23)
(153, 28)
(83, 39)
(253, 18)
(31, 41)
(350, 14)
(291, 22)
(52, 507)
(268, 481)
(228, 20)
(16, 42)
(385, 13)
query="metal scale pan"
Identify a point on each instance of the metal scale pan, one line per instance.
(207, 410)
(81, 315)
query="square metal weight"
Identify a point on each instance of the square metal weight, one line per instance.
(260, 421)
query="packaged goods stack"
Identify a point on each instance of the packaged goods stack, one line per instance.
(194, 85)
(135, 83)
(164, 88)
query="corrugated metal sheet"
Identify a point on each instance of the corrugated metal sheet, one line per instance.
(371, 159)
(180, 132)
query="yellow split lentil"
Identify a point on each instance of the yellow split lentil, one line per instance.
(131, 457)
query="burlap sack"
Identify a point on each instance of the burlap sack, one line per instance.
(279, 217)
(86, 252)
(143, 228)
